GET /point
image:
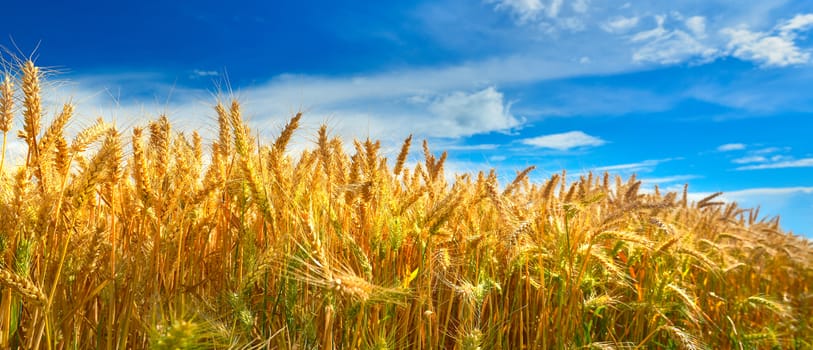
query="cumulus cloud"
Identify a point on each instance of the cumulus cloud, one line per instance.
(564, 141)
(463, 114)
(731, 147)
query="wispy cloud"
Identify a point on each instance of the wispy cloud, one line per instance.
(548, 15)
(525, 10)
(647, 165)
(668, 179)
(564, 141)
(769, 191)
(731, 147)
(204, 73)
(669, 46)
(477, 147)
(750, 159)
(770, 150)
(530, 9)
(620, 24)
(757, 195)
(797, 163)
(801, 22)
(574, 100)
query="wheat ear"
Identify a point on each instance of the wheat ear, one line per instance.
(22, 285)
(33, 109)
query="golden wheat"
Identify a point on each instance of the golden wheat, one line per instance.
(117, 245)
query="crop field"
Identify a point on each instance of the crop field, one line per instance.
(155, 238)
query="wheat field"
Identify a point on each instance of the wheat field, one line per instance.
(152, 238)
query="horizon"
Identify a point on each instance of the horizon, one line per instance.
(714, 95)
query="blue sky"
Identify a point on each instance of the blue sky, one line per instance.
(713, 93)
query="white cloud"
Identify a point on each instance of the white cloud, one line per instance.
(324, 91)
(431, 102)
(769, 150)
(554, 7)
(646, 165)
(731, 147)
(769, 191)
(460, 114)
(674, 47)
(456, 147)
(525, 10)
(564, 141)
(769, 50)
(580, 6)
(620, 24)
(798, 163)
(529, 10)
(353, 107)
(654, 33)
(750, 159)
(668, 179)
(777, 48)
(204, 73)
(756, 195)
(697, 25)
(800, 22)
(664, 46)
